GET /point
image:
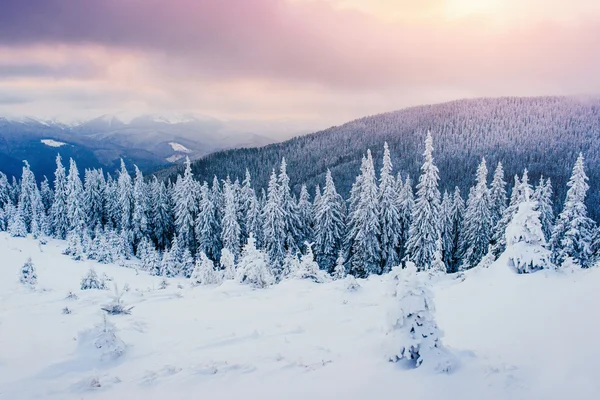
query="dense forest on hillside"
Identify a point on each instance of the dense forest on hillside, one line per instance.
(543, 134)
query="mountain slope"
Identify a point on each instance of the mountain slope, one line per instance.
(543, 134)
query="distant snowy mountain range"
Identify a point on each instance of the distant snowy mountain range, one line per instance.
(149, 141)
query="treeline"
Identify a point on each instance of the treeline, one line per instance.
(384, 222)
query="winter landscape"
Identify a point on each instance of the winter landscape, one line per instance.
(292, 199)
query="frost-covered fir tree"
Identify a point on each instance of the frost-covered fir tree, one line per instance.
(572, 234)
(141, 206)
(125, 199)
(75, 200)
(389, 214)
(16, 224)
(273, 217)
(27, 274)
(499, 235)
(406, 202)
(497, 195)
(329, 225)
(291, 264)
(186, 207)
(205, 272)
(425, 227)
(365, 228)
(29, 194)
(94, 197)
(413, 334)
(306, 215)
(253, 268)
(92, 281)
(46, 193)
(543, 197)
(187, 263)
(456, 214)
(525, 241)
(74, 245)
(230, 228)
(308, 267)
(227, 263)
(477, 224)
(290, 210)
(111, 206)
(170, 265)
(447, 225)
(253, 220)
(161, 213)
(339, 272)
(4, 190)
(207, 226)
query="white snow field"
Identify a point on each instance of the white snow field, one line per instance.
(516, 336)
(52, 143)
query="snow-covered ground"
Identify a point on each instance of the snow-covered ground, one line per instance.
(517, 336)
(179, 147)
(52, 143)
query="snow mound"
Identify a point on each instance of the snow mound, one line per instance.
(52, 143)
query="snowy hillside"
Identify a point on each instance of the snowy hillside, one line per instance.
(517, 336)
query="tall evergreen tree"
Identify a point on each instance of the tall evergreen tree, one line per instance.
(499, 235)
(207, 227)
(389, 214)
(186, 207)
(125, 199)
(497, 195)
(329, 225)
(161, 214)
(94, 195)
(75, 200)
(456, 214)
(230, 228)
(447, 228)
(141, 207)
(543, 197)
(290, 210)
(46, 193)
(58, 212)
(273, 216)
(425, 227)
(572, 234)
(477, 226)
(306, 215)
(406, 202)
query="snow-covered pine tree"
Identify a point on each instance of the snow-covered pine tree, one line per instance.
(477, 224)
(447, 239)
(572, 233)
(414, 335)
(26, 198)
(187, 263)
(141, 207)
(339, 272)
(543, 197)
(230, 228)
(170, 265)
(74, 245)
(75, 200)
(227, 263)
(306, 215)
(329, 225)
(186, 207)
(45, 192)
(4, 190)
(406, 202)
(253, 219)
(365, 228)
(497, 195)
(389, 214)
(94, 187)
(425, 226)
(111, 205)
(217, 199)
(16, 225)
(91, 281)
(456, 214)
(161, 214)
(124, 199)
(290, 210)
(204, 272)
(308, 267)
(525, 241)
(253, 268)
(207, 226)
(273, 225)
(27, 275)
(499, 236)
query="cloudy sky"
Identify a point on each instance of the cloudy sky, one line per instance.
(314, 63)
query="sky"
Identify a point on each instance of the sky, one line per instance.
(313, 63)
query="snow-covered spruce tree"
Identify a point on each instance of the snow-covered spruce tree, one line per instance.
(456, 214)
(217, 198)
(253, 220)
(543, 197)
(406, 202)
(389, 214)
(230, 228)
(365, 228)
(16, 223)
(124, 199)
(186, 207)
(27, 275)
(207, 227)
(227, 263)
(290, 266)
(46, 193)
(161, 214)
(290, 210)
(525, 241)
(572, 233)
(103, 340)
(308, 267)
(28, 193)
(414, 335)
(74, 245)
(187, 263)
(306, 215)
(94, 195)
(170, 265)
(329, 225)
(141, 207)
(75, 200)
(205, 272)
(447, 226)
(4, 190)
(111, 206)
(477, 224)
(497, 195)
(92, 281)
(499, 236)
(339, 272)
(274, 225)
(425, 227)
(253, 268)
